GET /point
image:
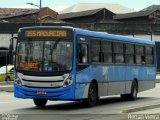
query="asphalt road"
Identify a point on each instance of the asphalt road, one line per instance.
(109, 108)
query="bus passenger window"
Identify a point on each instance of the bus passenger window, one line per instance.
(149, 55)
(95, 51)
(140, 56)
(82, 54)
(118, 52)
(129, 53)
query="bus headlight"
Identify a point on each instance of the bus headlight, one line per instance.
(68, 81)
(17, 80)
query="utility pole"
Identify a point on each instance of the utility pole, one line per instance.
(40, 7)
(6, 67)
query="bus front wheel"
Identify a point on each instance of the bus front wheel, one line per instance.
(40, 102)
(92, 96)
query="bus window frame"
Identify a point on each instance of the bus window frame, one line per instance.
(86, 42)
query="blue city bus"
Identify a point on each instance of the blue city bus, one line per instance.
(66, 63)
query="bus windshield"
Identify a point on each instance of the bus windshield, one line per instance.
(44, 56)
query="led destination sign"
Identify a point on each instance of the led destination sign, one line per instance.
(46, 33)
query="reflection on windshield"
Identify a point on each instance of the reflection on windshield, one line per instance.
(47, 56)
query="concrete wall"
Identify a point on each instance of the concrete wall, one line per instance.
(5, 40)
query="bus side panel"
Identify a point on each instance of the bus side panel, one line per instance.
(82, 83)
(114, 80)
(121, 77)
(143, 74)
(101, 74)
(84, 78)
(111, 80)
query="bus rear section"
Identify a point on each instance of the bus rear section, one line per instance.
(113, 65)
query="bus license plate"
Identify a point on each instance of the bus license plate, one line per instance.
(41, 92)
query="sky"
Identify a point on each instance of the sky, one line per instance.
(59, 5)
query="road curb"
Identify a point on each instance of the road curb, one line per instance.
(141, 108)
(8, 88)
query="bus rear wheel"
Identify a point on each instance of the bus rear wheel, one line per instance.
(40, 102)
(92, 96)
(133, 94)
(134, 91)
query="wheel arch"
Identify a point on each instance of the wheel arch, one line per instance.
(92, 97)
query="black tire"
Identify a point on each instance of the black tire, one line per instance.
(133, 94)
(92, 96)
(134, 91)
(40, 102)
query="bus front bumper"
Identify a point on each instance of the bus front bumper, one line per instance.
(62, 93)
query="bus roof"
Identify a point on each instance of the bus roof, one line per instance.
(97, 34)
(113, 37)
